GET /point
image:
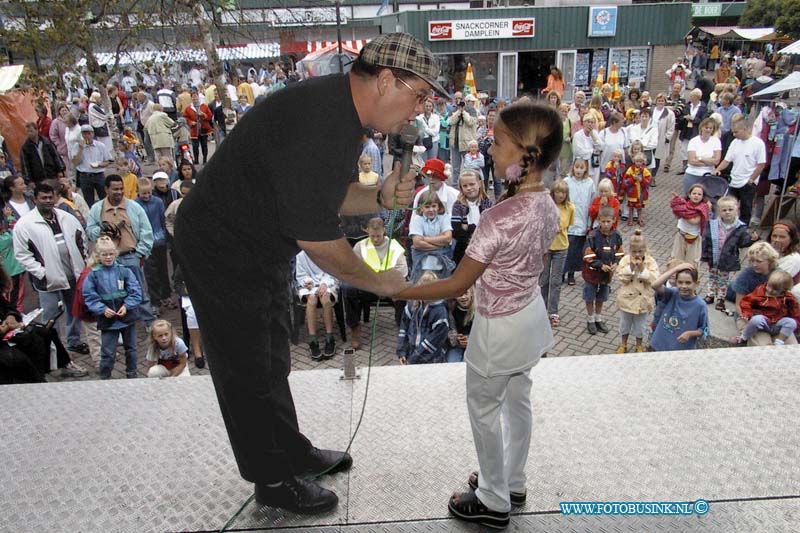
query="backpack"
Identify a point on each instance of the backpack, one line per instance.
(79, 309)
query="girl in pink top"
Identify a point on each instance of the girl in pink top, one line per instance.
(511, 329)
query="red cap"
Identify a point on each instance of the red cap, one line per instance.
(434, 168)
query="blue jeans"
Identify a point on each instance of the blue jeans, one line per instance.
(455, 355)
(49, 302)
(784, 326)
(132, 261)
(455, 162)
(550, 279)
(108, 351)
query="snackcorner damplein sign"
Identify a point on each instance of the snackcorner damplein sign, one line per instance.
(459, 30)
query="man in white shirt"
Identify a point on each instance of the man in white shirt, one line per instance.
(166, 97)
(748, 156)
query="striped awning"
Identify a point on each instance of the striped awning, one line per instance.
(356, 44)
(9, 76)
(195, 55)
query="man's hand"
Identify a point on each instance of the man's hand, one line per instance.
(607, 268)
(399, 189)
(109, 313)
(122, 311)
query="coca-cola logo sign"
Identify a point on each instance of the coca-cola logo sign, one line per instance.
(440, 30)
(522, 28)
(473, 29)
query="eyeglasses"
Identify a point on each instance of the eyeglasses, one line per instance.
(421, 94)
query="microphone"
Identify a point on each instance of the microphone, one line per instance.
(408, 136)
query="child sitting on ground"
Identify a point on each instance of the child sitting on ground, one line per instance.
(636, 272)
(424, 329)
(722, 240)
(692, 213)
(605, 196)
(600, 256)
(771, 307)
(316, 287)
(167, 353)
(431, 234)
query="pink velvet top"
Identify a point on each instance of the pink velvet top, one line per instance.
(511, 239)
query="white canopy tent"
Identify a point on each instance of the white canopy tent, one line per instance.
(792, 49)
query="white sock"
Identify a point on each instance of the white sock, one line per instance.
(598, 318)
(778, 342)
(590, 318)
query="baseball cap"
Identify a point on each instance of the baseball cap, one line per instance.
(87, 127)
(160, 175)
(404, 52)
(435, 168)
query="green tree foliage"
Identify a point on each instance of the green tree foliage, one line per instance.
(788, 22)
(761, 13)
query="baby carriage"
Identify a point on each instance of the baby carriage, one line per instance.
(716, 187)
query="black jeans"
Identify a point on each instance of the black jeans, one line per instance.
(156, 273)
(745, 195)
(244, 319)
(91, 183)
(200, 143)
(355, 300)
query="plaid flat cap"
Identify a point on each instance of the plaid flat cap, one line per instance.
(405, 52)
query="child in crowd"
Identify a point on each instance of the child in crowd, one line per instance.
(129, 137)
(162, 190)
(424, 329)
(566, 148)
(186, 172)
(636, 147)
(463, 311)
(606, 196)
(615, 171)
(166, 353)
(682, 316)
(167, 165)
(112, 293)
(6, 168)
(692, 213)
(722, 240)
(601, 254)
(473, 159)
(771, 307)
(367, 176)
(317, 288)
(510, 330)
(636, 184)
(129, 153)
(581, 192)
(552, 276)
(636, 272)
(156, 269)
(129, 179)
(431, 232)
(467, 210)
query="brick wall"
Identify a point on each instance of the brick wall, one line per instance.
(663, 58)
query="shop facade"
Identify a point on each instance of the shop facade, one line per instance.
(512, 50)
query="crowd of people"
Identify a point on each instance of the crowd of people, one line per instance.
(82, 217)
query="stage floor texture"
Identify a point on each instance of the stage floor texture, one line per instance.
(153, 455)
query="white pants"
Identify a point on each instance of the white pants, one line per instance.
(502, 451)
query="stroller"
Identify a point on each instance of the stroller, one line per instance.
(716, 187)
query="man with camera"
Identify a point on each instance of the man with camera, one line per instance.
(463, 129)
(127, 224)
(49, 244)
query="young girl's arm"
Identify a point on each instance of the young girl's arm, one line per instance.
(658, 284)
(441, 240)
(179, 368)
(422, 243)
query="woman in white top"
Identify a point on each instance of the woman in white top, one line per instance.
(642, 130)
(705, 152)
(98, 119)
(431, 123)
(664, 121)
(614, 137)
(587, 143)
(73, 139)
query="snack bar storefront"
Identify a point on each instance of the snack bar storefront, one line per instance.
(511, 50)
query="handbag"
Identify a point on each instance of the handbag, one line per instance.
(427, 142)
(102, 131)
(649, 155)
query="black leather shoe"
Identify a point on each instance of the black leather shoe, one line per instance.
(601, 326)
(297, 496)
(324, 461)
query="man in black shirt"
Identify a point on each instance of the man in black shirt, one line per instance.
(260, 199)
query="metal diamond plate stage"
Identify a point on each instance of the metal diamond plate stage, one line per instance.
(153, 455)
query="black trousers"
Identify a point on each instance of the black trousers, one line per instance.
(201, 143)
(243, 313)
(157, 274)
(355, 300)
(745, 195)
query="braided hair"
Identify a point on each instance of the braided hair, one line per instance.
(537, 130)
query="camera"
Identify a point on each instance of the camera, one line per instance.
(462, 104)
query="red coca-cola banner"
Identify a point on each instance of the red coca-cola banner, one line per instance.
(444, 30)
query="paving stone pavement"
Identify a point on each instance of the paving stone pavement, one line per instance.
(571, 337)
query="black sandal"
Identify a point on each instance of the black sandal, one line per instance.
(468, 507)
(517, 498)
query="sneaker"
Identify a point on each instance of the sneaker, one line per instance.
(330, 348)
(622, 349)
(639, 348)
(601, 326)
(73, 370)
(591, 327)
(81, 348)
(316, 355)
(571, 278)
